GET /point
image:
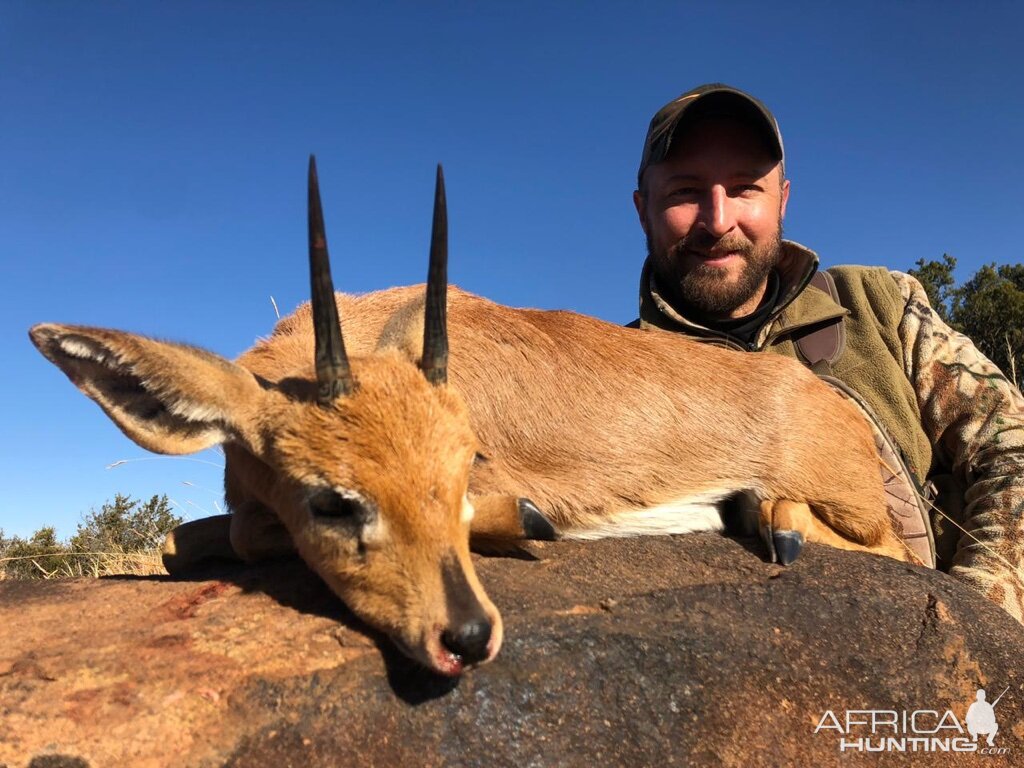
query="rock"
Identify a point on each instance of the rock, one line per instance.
(654, 651)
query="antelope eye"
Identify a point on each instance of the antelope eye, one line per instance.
(334, 506)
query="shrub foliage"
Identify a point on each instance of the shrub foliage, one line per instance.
(123, 536)
(989, 308)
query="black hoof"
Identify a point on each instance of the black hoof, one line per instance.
(535, 525)
(788, 545)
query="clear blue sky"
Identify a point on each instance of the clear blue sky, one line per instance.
(153, 155)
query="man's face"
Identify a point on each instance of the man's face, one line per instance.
(712, 212)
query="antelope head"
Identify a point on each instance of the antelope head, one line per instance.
(366, 464)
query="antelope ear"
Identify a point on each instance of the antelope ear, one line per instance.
(168, 398)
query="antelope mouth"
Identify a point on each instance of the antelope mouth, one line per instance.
(447, 662)
(435, 656)
(450, 663)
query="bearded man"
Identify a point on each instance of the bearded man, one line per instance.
(711, 196)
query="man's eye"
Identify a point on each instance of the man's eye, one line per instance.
(682, 195)
(746, 189)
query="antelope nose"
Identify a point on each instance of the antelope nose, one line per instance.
(469, 640)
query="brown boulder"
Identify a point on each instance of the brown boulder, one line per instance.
(656, 651)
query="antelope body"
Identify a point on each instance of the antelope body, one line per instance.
(378, 458)
(616, 431)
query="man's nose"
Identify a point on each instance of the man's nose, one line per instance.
(716, 215)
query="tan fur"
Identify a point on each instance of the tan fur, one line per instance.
(587, 418)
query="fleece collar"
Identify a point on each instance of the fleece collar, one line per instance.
(799, 304)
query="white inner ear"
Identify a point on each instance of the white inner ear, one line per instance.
(198, 412)
(181, 407)
(77, 348)
(467, 510)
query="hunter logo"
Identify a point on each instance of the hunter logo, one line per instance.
(921, 730)
(981, 717)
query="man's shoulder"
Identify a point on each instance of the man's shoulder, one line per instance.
(883, 289)
(854, 274)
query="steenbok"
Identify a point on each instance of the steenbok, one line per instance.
(380, 467)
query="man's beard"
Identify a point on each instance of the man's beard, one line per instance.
(704, 289)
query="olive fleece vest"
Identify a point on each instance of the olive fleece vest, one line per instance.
(872, 362)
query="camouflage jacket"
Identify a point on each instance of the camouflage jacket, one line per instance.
(957, 419)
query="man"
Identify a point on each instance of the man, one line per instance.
(711, 195)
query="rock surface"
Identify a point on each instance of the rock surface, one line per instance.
(657, 651)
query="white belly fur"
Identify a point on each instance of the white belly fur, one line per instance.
(690, 515)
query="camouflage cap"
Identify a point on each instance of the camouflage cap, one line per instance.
(711, 100)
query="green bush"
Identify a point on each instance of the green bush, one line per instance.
(125, 525)
(39, 556)
(989, 308)
(124, 536)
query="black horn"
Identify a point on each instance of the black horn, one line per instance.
(333, 375)
(435, 325)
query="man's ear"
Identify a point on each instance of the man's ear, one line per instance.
(168, 398)
(785, 199)
(641, 209)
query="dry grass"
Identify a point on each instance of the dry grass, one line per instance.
(73, 565)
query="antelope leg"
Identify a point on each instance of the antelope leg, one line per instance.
(508, 519)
